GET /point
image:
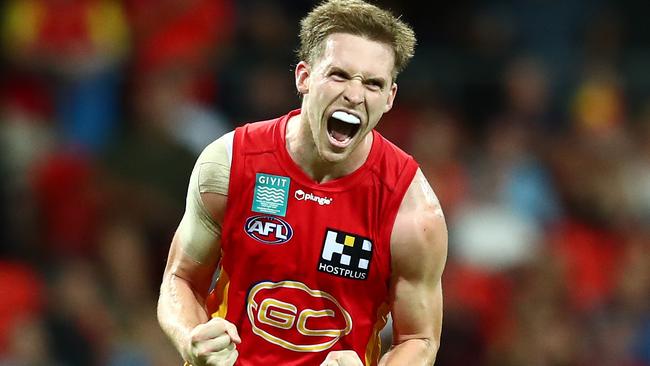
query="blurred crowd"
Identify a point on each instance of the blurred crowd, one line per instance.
(531, 120)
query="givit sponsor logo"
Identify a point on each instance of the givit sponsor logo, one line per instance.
(291, 315)
(345, 255)
(301, 195)
(268, 229)
(271, 194)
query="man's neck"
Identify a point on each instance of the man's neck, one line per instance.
(302, 149)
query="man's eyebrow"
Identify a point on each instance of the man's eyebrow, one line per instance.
(376, 80)
(338, 69)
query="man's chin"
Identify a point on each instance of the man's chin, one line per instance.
(332, 156)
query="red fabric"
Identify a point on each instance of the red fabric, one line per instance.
(64, 27)
(22, 296)
(591, 259)
(486, 295)
(68, 201)
(27, 94)
(363, 204)
(179, 34)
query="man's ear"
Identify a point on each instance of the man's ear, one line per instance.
(302, 73)
(391, 97)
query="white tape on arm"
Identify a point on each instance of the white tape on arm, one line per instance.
(211, 174)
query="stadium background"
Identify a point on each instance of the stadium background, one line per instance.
(530, 118)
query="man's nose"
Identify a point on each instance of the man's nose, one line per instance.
(354, 92)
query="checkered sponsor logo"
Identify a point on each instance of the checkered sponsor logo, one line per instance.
(345, 255)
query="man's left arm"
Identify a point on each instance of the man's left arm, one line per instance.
(419, 252)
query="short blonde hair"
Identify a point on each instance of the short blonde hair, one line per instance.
(358, 18)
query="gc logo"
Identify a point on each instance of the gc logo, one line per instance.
(311, 321)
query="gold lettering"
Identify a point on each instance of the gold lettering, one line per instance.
(279, 319)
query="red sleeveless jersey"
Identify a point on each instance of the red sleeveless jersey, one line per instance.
(305, 267)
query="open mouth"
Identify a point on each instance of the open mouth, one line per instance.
(342, 127)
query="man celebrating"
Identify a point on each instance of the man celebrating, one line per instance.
(317, 225)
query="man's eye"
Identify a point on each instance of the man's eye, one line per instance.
(339, 76)
(375, 85)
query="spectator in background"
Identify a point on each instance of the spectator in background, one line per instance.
(174, 44)
(82, 44)
(144, 171)
(22, 308)
(635, 170)
(177, 43)
(26, 136)
(259, 89)
(439, 144)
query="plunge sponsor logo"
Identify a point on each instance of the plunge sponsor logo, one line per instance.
(301, 195)
(345, 255)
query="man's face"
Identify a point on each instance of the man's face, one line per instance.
(346, 91)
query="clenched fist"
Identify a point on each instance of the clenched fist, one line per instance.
(213, 344)
(342, 358)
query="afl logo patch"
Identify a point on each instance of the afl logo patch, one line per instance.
(268, 229)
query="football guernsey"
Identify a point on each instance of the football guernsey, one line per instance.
(305, 267)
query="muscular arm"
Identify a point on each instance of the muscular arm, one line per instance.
(185, 285)
(195, 250)
(181, 305)
(419, 251)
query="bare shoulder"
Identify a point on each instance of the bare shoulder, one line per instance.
(213, 176)
(200, 228)
(419, 237)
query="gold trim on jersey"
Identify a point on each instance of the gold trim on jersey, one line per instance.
(373, 349)
(221, 290)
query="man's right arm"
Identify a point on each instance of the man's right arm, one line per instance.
(185, 285)
(193, 257)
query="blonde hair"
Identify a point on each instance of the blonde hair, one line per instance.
(359, 18)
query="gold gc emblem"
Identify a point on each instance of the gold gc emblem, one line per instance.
(293, 316)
